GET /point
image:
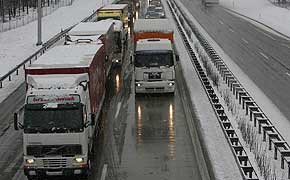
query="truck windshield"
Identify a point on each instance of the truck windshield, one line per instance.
(63, 119)
(117, 42)
(154, 59)
(109, 17)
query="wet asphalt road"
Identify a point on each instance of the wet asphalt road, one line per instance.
(263, 56)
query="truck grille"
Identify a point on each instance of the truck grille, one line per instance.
(154, 75)
(48, 150)
(54, 163)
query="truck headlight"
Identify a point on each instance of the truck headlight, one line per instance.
(79, 160)
(138, 84)
(30, 161)
(171, 84)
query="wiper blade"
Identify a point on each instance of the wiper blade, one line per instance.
(54, 150)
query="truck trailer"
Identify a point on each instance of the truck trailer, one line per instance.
(154, 56)
(64, 97)
(116, 12)
(95, 32)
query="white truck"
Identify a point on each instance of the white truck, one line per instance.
(64, 97)
(154, 56)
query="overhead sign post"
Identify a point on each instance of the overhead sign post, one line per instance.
(39, 16)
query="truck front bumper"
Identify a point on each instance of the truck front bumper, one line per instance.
(44, 172)
(154, 87)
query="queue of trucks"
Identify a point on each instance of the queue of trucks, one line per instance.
(65, 88)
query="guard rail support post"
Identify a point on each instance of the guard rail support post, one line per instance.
(248, 170)
(230, 79)
(1, 84)
(9, 77)
(278, 144)
(254, 115)
(272, 135)
(230, 132)
(234, 141)
(265, 129)
(226, 125)
(244, 100)
(261, 121)
(218, 106)
(238, 150)
(248, 105)
(240, 94)
(243, 160)
(238, 90)
(223, 118)
(234, 85)
(284, 155)
(226, 75)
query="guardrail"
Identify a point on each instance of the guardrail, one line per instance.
(240, 154)
(41, 51)
(257, 116)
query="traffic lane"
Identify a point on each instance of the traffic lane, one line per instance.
(157, 143)
(269, 76)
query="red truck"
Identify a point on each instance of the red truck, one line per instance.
(65, 93)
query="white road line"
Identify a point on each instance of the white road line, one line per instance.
(245, 41)
(231, 30)
(19, 174)
(265, 34)
(104, 172)
(286, 45)
(13, 163)
(266, 57)
(118, 109)
(221, 22)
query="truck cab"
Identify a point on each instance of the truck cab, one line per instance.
(57, 126)
(154, 66)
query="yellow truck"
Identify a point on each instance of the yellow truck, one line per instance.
(116, 12)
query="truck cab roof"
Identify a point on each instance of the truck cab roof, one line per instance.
(153, 45)
(91, 28)
(152, 25)
(114, 7)
(67, 57)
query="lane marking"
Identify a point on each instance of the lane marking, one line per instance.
(104, 172)
(118, 109)
(269, 36)
(19, 174)
(13, 163)
(245, 41)
(231, 30)
(221, 22)
(266, 57)
(285, 45)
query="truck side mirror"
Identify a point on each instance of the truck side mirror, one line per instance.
(16, 121)
(177, 57)
(93, 119)
(131, 59)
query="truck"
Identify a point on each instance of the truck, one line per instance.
(210, 2)
(116, 12)
(154, 56)
(65, 90)
(95, 32)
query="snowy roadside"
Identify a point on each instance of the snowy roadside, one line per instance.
(220, 155)
(276, 117)
(20, 43)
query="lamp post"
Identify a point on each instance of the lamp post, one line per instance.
(39, 16)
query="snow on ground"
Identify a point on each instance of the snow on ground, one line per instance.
(20, 43)
(262, 11)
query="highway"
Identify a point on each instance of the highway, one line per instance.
(144, 137)
(263, 56)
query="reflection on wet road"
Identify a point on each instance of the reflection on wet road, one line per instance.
(157, 144)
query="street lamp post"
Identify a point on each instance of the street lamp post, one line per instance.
(39, 16)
